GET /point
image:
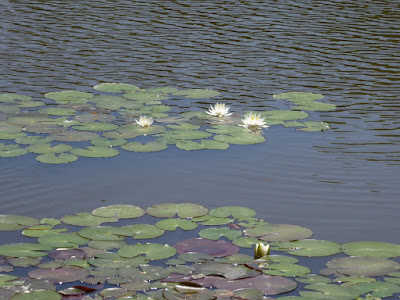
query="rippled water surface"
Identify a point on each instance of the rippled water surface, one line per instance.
(343, 184)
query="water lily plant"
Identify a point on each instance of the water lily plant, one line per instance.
(253, 121)
(145, 121)
(261, 250)
(219, 110)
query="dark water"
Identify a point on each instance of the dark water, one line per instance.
(343, 184)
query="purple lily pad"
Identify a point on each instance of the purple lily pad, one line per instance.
(67, 254)
(269, 285)
(218, 248)
(63, 274)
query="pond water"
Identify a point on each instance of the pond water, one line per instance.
(343, 184)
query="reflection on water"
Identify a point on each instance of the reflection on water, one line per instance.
(341, 183)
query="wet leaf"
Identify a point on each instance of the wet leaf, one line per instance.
(374, 249)
(87, 219)
(69, 96)
(278, 232)
(204, 144)
(62, 240)
(104, 142)
(74, 136)
(148, 147)
(24, 250)
(95, 151)
(11, 150)
(43, 148)
(333, 291)
(52, 158)
(310, 248)
(183, 210)
(16, 222)
(172, 224)
(240, 139)
(119, 211)
(237, 212)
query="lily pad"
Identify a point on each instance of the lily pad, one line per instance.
(57, 111)
(107, 245)
(11, 97)
(103, 233)
(186, 134)
(42, 148)
(86, 219)
(67, 254)
(34, 295)
(151, 251)
(268, 285)
(96, 126)
(115, 103)
(299, 97)
(62, 240)
(331, 291)
(143, 231)
(236, 212)
(119, 211)
(361, 266)
(148, 147)
(112, 87)
(24, 250)
(16, 222)
(74, 136)
(184, 126)
(310, 248)
(286, 270)
(32, 139)
(95, 151)
(245, 242)
(104, 142)
(315, 126)
(69, 96)
(11, 150)
(139, 130)
(145, 97)
(229, 271)
(52, 158)
(183, 210)
(217, 232)
(283, 115)
(278, 232)
(172, 224)
(374, 249)
(218, 248)
(377, 289)
(63, 274)
(204, 144)
(240, 139)
(93, 117)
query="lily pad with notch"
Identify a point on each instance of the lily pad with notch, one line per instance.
(55, 159)
(204, 144)
(374, 249)
(95, 151)
(113, 87)
(182, 210)
(219, 248)
(74, 136)
(150, 250)
(216, 232)
(119, 211)
(87, 219)
(148, 147)
(311, 248)
(69, 96)
(174, 223)
(16, 222)
(278, 232)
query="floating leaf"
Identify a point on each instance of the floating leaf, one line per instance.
(283, 115)
(218, 248)
(69, 96)
(299, 97)
(11, 150)
(24, 250)
(104, 142)
(151, 251)
(217, 232)
(145, 97)
(11, 97)
(113, 260)
(116, 292)
(57, 111)
(331, 291)
(195, 257)
(66, 254)
(34, 295)
(186, 134)
(86, 219)
(163, 90)
(236, 212)
(95, 151)
(172, 224)
(213, 221)
(245, 242)
(293, 124)
(377, 289)
(74, 136)
(204, 144)
(309, 248)
(315, 126)
(38, 232)
(62, 240)
(155, 108)
(240, 139)
(287, 270)
(96, 126)
(139, 130)
(93, 117)
(184, 126)
(197, 93)
(235, 259)
(112, 87)
(374, 249)
(191, 114)
(32, 139)
(103, 233)
(268, 285)
(361, 266)
(229, 271)
(119, 211)
(51, 158)
(16, 222)
(183, 210)
(279, 232)
(63, 274)
(312, 278)
(24, 262)
(42, 148)
(107, 245)
(352, 280)
(115, 103)
(148, 147)
(315, 106)
(143, 231)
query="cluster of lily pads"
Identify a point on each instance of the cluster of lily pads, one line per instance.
(209, 255)
(68, 124)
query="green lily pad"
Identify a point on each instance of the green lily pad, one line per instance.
(184, 126)
(103, 233)
(24, 250)
(284, 115)
(245, 242)
(217, 232)
(34, 295)
(204, 144)
(299, 97)
(240, 139)
(119, 211)
(162, 90)
(151, 251)
(191, 114)
(115, 103)
(155, 109)
(8, 109)
(86, 219)
(96, 126)
(62, 240)
(361, 266)
(107, 245)
(52, 158)
(145, 97)
(236, 212)
(186, 134)
(195, 257)
(112, 87)
(116, 293)
(172, 224)
(212, 221)
(352, 280)
(312, 278)
(63, 121)
(332, 291)
(148, 147)
(229, 271)
(293, 124)
(139, 130)
(63, 274)
(183, 210)
(95, 151)
(113, 260)
(35, 232)
(28, 120)
(57, 111)
(143, 231)
(43, 148)
(286, 270)
(11, 150)
(235, 259)
(74, 136)
(16, 222)
(315, 126)
(45, 127)
(11, 97)
(310, 248)
(279, 232)
(315, 106)
(32, 139)
(377, 289)
(93, 117)
(24, 262)
(69, 96)
(117, 135)
(374, 249)
(104, 142)
(197, 93)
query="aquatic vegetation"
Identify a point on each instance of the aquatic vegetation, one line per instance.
(210, 257)
(118, 115)
(219, 110)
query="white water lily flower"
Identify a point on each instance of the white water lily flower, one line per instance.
(253, 121)
(145, 121)
(219, 110)
(261, 250)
